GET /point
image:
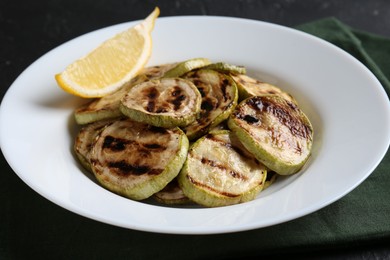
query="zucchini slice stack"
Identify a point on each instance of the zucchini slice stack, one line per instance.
(172, 194)
(136, 140)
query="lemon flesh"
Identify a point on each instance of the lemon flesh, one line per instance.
(111, 64)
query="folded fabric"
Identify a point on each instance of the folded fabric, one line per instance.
(372, 50)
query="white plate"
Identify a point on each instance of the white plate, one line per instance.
(345, 102)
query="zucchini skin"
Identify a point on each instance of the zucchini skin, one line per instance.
(210, 178)
(259, 138)
(248, 87)
(172, 194)
(218, 100)
(106, 107)
(183, 67)
(85, 139)
(172, 112)
(226, 68)
(134, 175)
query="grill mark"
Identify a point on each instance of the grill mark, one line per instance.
(152, 94)
(120, 144)
(224, 84)
(201, 89)
(176, 91)
(227, 194)
(246, 155)
(250, 119)
(294, 124)
(125, 168)
(207, 105)
(150, 106)
(115, 144)
(178, 97)
(154, 146)
(222, 167)
(155, 129)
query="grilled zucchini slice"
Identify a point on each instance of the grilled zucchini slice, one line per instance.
(219, 171)
(85, 139)
(105, 107)
(226, 68)
(248, 87)
(172, 194)
(219, 98)
(275, 130)
(137, 160)
(186, 66)
(108, 106)
(166, 102)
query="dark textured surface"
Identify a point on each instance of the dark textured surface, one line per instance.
(31, 226)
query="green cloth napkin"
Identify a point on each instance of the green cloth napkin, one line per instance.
(372, 50)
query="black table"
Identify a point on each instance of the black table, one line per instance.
(30, 225)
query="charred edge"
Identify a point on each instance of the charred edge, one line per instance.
(215, 164)
(196, 183)
(296, 126)
(125, 168)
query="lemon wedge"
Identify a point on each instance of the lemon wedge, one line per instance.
(113, 63)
